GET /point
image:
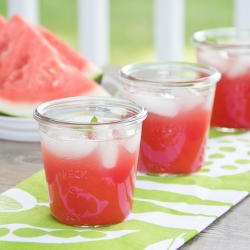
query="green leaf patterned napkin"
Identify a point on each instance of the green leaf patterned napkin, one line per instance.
(167, 212)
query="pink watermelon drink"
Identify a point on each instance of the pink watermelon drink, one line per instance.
(179, 99)
(90, 163)
(88, 186)
(228, 50)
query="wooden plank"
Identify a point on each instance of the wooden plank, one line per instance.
(18, 161)
(230, 231)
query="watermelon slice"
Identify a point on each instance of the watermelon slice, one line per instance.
(32, 71)
(88, 68)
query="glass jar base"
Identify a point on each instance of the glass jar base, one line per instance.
(165, 175)
(92, 226)
(229, 130)
(84, 225)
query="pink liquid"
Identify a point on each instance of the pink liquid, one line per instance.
(83, 191)
(232, 102)
(174, 145)
(232, 97)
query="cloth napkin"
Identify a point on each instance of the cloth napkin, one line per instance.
(167, 212)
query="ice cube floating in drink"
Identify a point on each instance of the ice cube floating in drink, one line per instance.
(90, 167)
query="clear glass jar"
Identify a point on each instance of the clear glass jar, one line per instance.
(179, 99)
(90, 149)
(228, 49)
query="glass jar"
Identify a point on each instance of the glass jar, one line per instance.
(228, 49)
(90, 149)
(179, 99)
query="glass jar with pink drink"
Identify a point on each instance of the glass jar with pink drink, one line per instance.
(90, 148)
(179, 99)
(228, 49)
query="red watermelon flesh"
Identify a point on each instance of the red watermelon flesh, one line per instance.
(2, 22)
(74, 58)
(32, 71)
(12, 49)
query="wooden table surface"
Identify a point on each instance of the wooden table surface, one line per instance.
(19, 160)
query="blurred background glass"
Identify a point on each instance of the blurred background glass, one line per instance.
(131, 25)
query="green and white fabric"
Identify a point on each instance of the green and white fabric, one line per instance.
(167, 212)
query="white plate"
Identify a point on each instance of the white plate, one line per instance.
(112, 85)
(26, 129)
(19, 129)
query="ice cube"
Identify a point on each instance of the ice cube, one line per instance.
(87, 147)
(240, 64)
(131, 143)
(109, 151)
(215, 58)
(166, 95)
(68, 148)
(192, 100)
(80, 118)
(180, 92)
(101, 135)
(209, 101)
(157, 103)
(164, 107)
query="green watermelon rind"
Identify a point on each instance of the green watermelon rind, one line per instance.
(98, 78)
(12, 109)
(25, 110)
(94, 72)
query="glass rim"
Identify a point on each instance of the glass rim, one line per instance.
(141, 112)
(200, 37)
(213, 75)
